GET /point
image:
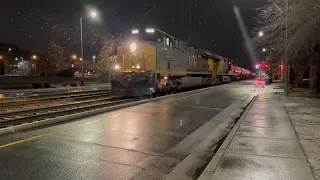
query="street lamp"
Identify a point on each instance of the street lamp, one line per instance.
(74, 57)
(261, 33)
(93, 14)
(94, 60)
(1, 57)
(34, 57)
(270, 51)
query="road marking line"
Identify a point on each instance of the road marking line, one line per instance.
(28, 139)
(45, 135)
(188, 96)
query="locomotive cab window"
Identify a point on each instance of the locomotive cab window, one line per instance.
(168, 42)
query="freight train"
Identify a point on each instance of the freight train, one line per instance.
(151, 61)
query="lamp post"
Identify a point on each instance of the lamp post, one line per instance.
(34, 57)
(81, 41)
(270, 51)
(286, 53)
(93, 14)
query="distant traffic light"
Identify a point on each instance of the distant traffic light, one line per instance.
(262, 65)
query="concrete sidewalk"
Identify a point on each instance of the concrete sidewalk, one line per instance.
(263, 145)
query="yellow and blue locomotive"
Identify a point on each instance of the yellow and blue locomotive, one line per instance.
(152, 61)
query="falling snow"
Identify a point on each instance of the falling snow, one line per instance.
(196, 22)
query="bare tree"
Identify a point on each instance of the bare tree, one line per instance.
(105, 55)
(303, 32)
(56, 57)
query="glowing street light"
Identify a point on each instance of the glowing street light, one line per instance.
(94, 14)
(264, 49)
(1, 57)
(34, 57)
(94, 60)
(74, 56)
(261, 33)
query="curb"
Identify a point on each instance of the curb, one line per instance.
(212, 166)
(12, 129)
(201, 154)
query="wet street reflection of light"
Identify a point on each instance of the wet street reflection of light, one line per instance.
(2, 96)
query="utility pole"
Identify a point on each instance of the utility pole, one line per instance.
(81, 41)
(286, 53)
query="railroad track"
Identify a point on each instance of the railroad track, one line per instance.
(31, 115)
(64, 98)
(52, 95)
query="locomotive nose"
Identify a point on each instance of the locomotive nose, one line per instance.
(127, 82)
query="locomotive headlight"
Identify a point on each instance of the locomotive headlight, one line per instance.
(117, 67)
(150, 30)
(133, 47)
(138, 66)
(135, 31)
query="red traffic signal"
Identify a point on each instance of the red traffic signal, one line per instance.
(262, 65)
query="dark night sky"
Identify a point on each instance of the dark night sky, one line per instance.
(209, 24)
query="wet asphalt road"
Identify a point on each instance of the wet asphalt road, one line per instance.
(131, 143)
